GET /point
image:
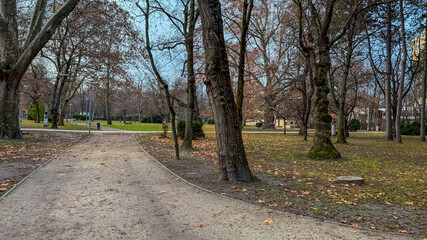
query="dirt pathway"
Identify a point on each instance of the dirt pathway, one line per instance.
(108, 188)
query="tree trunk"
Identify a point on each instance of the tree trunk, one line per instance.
(341, 124)
(423, 89)
(107, 97)
(15, 57)
(402, 76)
(159, 77)
(389, 127)
(56, 102)
(187, 144)
(340, 104)
(269, 123)
(9, 126)
(246, 17)
(37, 120)
(233, 164)
(322, 146)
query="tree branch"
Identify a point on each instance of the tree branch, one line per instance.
(42, 38)
(36, 21)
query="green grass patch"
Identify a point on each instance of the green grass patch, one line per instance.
(394, 173)
(25, 123)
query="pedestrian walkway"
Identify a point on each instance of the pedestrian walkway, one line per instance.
(109, 188)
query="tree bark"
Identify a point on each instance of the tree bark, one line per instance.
(269, 118)
(389, 127)
(233, 164)
(322, 146)
(159, 78)
(9, 125)
(37, 120)
(423, 90)
(56, 101)
(402, 75)
(187, 144)
(246, 18)
(14, 62)
(107, 97)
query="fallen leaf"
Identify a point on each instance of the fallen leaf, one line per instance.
(21, 233)
(200, 225)
(409, 203)
(162, 191)
(273, 205)
(244, 190)
(269, 222)
(98, 201)
(234, 189)
(355, 225)
(305, 192)
(260, 201)
(3, 189)
(72, 199)
(402, 231)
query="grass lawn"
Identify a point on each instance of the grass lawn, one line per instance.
(136, 126)
(394, 173)
(394, 196)
(25, 123)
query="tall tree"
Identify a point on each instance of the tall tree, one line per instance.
(186, 28)
(233, 164)
(402, 74)
(423, 88)
(244, 29)
(159, 78)
(15, 57)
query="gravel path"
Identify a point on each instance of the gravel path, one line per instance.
(108, 188)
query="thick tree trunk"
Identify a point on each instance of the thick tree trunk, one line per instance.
(322, 146)
(14, 61)
(389, 124)
(233, 164)
(269, 117)
(9, 112)
(423, 90)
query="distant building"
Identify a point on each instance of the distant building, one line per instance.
(417, 45)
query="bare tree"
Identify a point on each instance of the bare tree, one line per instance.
(233, 164)
(15, 57)
(159, 78)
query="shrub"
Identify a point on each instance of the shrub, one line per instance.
(259, 124)
(197, 129)
(32, 112)
(411, 128)
(153, 118)
(79, 117)
(354, 125)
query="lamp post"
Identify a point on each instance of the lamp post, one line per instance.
(90, 105)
